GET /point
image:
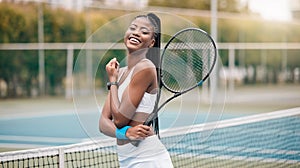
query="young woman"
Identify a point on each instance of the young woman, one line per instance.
(132, 96)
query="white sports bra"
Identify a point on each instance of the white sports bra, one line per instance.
(148, 101)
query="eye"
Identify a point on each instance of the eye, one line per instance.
(145, 32)
(132, 28)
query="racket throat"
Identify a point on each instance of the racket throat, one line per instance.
(177, 94)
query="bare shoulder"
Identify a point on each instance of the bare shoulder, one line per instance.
(145, 76)
(145, 65)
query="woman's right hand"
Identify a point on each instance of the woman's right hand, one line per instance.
(112, 70)
(139, 132)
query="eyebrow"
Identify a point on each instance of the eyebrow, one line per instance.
(143, 27)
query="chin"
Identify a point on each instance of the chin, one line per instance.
(132, 47)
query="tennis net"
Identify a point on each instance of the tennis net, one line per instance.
(264, 140)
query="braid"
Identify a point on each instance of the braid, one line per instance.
(155, 21)
(153, 54)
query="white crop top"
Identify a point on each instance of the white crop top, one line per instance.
(148, 101)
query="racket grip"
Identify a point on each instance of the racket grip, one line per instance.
(149, 119)
(135, 143)
(148, 123)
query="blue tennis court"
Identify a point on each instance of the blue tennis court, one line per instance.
(262, 140)
(62, 129)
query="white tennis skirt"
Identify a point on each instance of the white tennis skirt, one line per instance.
(150, 153)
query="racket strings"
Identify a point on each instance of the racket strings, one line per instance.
(187, 60)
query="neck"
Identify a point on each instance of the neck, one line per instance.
(134, 57)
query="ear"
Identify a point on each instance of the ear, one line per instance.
(152, 43)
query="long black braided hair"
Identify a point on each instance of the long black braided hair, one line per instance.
(153, 54)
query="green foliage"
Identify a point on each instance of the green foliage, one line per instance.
(19, 71)
(19, 24)
(203, 4)
(63, 26)
(11, 24)
(223, 5)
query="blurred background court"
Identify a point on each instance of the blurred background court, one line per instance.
(42, 41)
(51, 121)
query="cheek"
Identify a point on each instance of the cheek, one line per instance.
(126, 35)
(150, 42)
(125, 39)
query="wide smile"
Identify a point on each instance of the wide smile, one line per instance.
(134, 40)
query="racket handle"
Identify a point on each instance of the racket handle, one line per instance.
(135, 143)
(149, 119)
(148, 123)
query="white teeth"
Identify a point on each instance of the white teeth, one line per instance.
(134, 40)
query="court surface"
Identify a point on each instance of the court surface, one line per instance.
(31, 123)
(260, 140)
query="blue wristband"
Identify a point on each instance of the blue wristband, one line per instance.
(121, 133)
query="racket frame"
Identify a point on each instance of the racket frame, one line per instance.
(155, 111)
(176, 94)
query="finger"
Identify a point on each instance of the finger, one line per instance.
(143, 132)
(112, 61)
(116, 63)
(145, 127)
(142, 135)
(109, 64)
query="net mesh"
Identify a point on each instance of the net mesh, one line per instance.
(266, 140)
(187, 59)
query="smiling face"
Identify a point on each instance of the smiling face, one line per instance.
(139, 35)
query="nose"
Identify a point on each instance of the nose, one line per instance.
(136, 32)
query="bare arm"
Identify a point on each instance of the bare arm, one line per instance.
(106, 125)
(124, 111)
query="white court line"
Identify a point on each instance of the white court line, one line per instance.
(21, 146)
(40, 139)
(230, 122)
(10, 116)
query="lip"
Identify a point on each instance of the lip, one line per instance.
(134, 40)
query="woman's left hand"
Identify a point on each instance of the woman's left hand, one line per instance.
(139, 132)
(112, 70)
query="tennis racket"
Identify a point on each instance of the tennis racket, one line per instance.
(186, 62)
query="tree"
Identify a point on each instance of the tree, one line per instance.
(223, 5)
